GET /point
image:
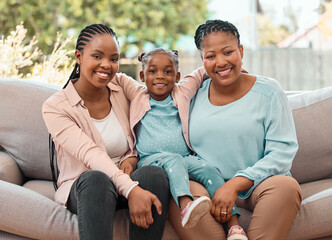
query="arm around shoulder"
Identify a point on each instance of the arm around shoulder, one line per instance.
(130, 86)
(192, 82)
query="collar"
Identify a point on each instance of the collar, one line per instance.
(74, 98)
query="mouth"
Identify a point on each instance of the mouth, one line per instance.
(224, 73)
(103, 75)
(159, 85)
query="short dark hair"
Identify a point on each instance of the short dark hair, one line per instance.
(214, 26)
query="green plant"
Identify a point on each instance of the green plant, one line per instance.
(15, 54)
(18, 54)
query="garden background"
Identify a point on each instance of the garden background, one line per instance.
(37, 37)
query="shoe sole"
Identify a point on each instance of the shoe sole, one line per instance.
(199, 210)
(237, 237)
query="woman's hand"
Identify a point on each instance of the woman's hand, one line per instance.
(224, 198)
(129, 165)
(223, 201)
(140, 204)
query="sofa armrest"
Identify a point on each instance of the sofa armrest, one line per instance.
(9, 170)
(27, 213)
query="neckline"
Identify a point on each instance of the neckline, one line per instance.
(163, 102)
(103, 119)
(231, 103)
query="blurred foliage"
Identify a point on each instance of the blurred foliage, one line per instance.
(19, 58)
(269, 34)
(135, 22)
(323, 6)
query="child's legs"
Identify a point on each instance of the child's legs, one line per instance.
(208, 227)
(275, 203)
(206, 174)
(176, 169)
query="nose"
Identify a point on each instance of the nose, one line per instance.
(221, 61)
(105, 63)
(160, 74)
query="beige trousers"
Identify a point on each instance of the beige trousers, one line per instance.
(274, 203)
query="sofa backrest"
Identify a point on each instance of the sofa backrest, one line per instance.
(23, 133)
(312, 112)
(24, 136)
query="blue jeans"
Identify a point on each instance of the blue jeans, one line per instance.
(94, 199)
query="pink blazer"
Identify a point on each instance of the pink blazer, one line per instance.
(78, 143)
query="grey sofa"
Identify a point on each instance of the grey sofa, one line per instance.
(27, 209)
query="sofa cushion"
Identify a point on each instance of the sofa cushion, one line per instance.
(314, 220)
(23, 133)
(312, 113)
(43, 187)
(9, 170)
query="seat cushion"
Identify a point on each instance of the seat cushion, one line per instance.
(314, 219)
(43, 187)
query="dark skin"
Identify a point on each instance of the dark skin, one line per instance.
(98, 65)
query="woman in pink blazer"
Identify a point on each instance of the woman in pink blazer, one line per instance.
(89, 128)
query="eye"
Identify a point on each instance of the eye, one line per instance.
(96, 56)
(152, 71)
(227, 53)
(114, 59)
(210, 57)
(168, 71)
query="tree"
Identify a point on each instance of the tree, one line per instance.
(269, 34)
(322, 6)
(135, 22)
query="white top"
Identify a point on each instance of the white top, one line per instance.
(113, 135)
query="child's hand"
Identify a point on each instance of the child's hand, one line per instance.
(129, 165)
(243, 70)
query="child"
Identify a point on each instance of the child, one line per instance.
(159, 117)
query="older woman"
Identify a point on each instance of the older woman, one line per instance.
(243, 125)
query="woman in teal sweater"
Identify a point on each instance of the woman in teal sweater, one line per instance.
(243, 125)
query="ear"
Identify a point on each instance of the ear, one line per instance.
(178, 75)
(141, 75)
(78, 56)
(241, 51)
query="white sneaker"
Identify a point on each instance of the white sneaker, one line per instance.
(194, 210)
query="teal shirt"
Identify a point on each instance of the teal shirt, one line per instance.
(253, 137)
(160, 130)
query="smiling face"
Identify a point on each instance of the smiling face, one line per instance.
(222, 58)
(160, 76)
(99, 60)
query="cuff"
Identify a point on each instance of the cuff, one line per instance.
(131, 188)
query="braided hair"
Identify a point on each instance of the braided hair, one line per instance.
(85, 36)
(173, 54)
(214, 26)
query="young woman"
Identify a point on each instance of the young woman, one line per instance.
(243, 125)
(88, 121)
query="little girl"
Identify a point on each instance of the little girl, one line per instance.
(159, 119)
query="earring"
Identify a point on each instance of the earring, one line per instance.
(78, 69)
